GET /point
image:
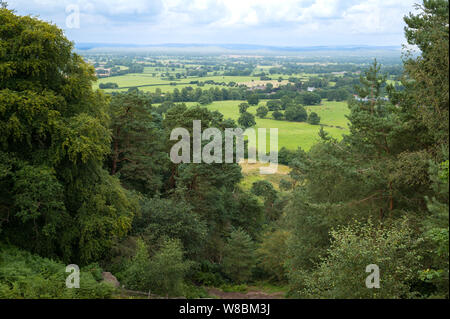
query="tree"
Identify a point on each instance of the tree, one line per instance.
(56, 198)
(429, 31)
(266, 190)
(313, 118)
(375, 187)
(239, 256)
(138, 147)
(246, 120)
(310, 98)
(262, 111)
(274, 105)
(296, 113)
(137, 272)
(273, 253)
(170, 218)
(205, 99)
(209, 189)
(243, 107)
(253, 99)
(277, 115)
(285, 102)
(167, 269)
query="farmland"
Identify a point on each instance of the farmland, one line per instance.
(168, 78)
(292, 134)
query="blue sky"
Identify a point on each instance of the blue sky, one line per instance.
(266, 22)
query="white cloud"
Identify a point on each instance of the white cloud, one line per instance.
(229, 20)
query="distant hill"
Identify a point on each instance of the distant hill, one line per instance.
(232, 48)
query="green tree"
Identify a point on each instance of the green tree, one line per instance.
(313, 118)
(138, 152)
(243, 107)
(246, 120)
(310, 98)
(137, 272)
(162, 218)
(167, 269)
(296, 113)
(273, 105)
(262, 112)
(253, 99)
(76, 210)
(277, 115)
(272, 253)
(239, 256)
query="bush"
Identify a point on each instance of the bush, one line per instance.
(24, 275)
(342, 273)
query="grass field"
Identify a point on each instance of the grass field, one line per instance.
(151, 79)
(149, 83)
(293, 134)
(252, 174)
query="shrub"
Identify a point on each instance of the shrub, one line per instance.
(342, 273)
(25, 275)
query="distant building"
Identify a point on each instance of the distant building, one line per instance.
(311, 89)
(366, 99)
(257, 87)
(102, 72)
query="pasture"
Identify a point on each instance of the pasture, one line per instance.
(292, 134)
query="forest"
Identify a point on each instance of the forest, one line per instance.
(86, 176)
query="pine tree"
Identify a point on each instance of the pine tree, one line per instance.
(239, 256)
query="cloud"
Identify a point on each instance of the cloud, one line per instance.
(229, 21)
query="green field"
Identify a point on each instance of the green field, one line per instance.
(293, 134)
(290, 134)
(149, 83)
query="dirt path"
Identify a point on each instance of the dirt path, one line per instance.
(249, 295)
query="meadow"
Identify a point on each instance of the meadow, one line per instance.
(292, 134)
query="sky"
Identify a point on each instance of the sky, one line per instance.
(296, 23)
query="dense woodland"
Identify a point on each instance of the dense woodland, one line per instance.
(85, 178)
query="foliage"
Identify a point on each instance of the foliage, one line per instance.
(246, 120)
(313, 118)
(262, 111)
(56, 198)
(342, 273)
(239, 256)
(168, 269)
(27, 276)
(295, 113)
(138, 152)
(273, 253)
(253, 99)
(277, 115)
(161, 218)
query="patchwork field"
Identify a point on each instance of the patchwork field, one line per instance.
(148, 83)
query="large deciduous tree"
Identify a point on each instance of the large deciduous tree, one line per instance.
(55, 197)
